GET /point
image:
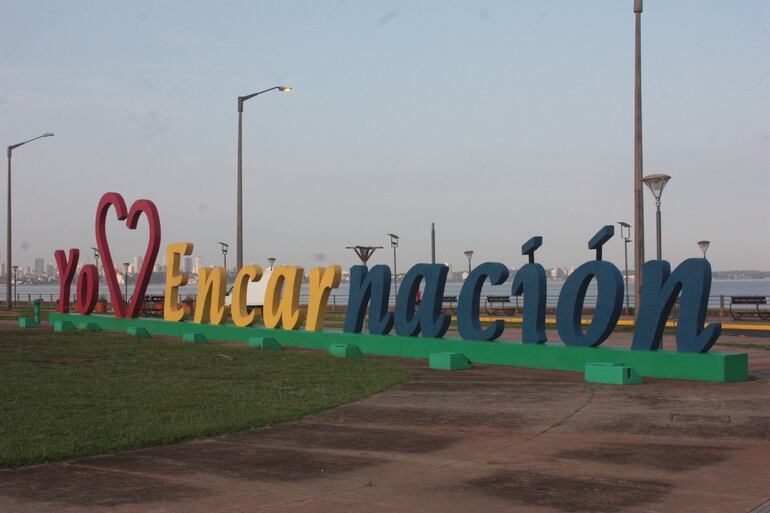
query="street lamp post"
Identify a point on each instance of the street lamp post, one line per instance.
(638, 197)
(469, 255)
(364, 252)
(271, 261)
(394, 245)
(625, 234)
(8, 248)
(125, 278)
(15, 279)
(239, 228)
(656, 183)
(224, 253)
(704, 246)
(96, 258)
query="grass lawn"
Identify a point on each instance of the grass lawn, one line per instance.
(70, 395)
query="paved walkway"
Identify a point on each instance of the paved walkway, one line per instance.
(487, 440)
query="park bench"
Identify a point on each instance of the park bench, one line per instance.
(490, 305)
(152, 306)
(755, 301)
(452, 301)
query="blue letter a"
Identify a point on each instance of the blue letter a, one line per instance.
(660, 288)
(427, 317)
(371, 284)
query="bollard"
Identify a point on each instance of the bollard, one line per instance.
(36, 309)
(721, 306)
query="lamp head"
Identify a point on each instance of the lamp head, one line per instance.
(704, 246)
(47, 134)
(468, 253)
(285, 89)
(656, 183)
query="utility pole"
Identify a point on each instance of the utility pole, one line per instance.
(432, 243)
(638, 172)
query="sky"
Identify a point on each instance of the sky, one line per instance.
(495, 120)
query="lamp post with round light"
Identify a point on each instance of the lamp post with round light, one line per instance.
(9, 266)
(394, 245)
(239, 201)
(656, 183)
(469, 255)
(125, 278)
(704, 246)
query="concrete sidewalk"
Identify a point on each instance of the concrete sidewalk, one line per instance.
(490, 439)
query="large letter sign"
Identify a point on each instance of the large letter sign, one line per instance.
(370, 291)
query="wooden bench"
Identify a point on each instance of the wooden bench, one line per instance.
(755, 301)
(452, 300)
(491, 309)
(152, 306)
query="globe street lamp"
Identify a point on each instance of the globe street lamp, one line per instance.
(8, 248)
(704, 246)
(239, 228)
(469, 255)
(625, 235)
(394, 245)
(656, 183)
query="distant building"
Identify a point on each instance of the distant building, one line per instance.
(39, 266)
(188, 264)
(136, 264)
(197, 264)
(50, 269)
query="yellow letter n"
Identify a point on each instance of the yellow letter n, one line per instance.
(210, 305)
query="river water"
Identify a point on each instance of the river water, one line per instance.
(340, 295)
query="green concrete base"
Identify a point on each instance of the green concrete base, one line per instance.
(195, 338)
(268, 343)
(89, 326)
(448, 361)
(345, 351)
(138, 332)
(713, 366)
(28, 322)
(63, 326)
(611, 374)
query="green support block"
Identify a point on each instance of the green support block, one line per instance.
(345, 351)
(611, 374)
(90, 326)
(138, 332)
(195, 338)
(448, 361)
(265, 343)
(63, 326)
(28, 322)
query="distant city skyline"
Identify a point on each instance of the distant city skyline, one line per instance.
(495, 120)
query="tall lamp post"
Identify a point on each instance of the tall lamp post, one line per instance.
(271, 261)
(469, 255)
(125, 278)
(224, 253)
(656, 183)
(394, 245)
(8, 248)
(239, 228)
(625, 234)
(432, 243)
(704, 246)
(638, 197)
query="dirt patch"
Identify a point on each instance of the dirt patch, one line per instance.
(235, 461)
(754, 427)
(571, 494)
(325, 436)
(667, 456)
(421, 416)
(66, 484)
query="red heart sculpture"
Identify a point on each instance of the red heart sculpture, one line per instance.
(142, 206)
